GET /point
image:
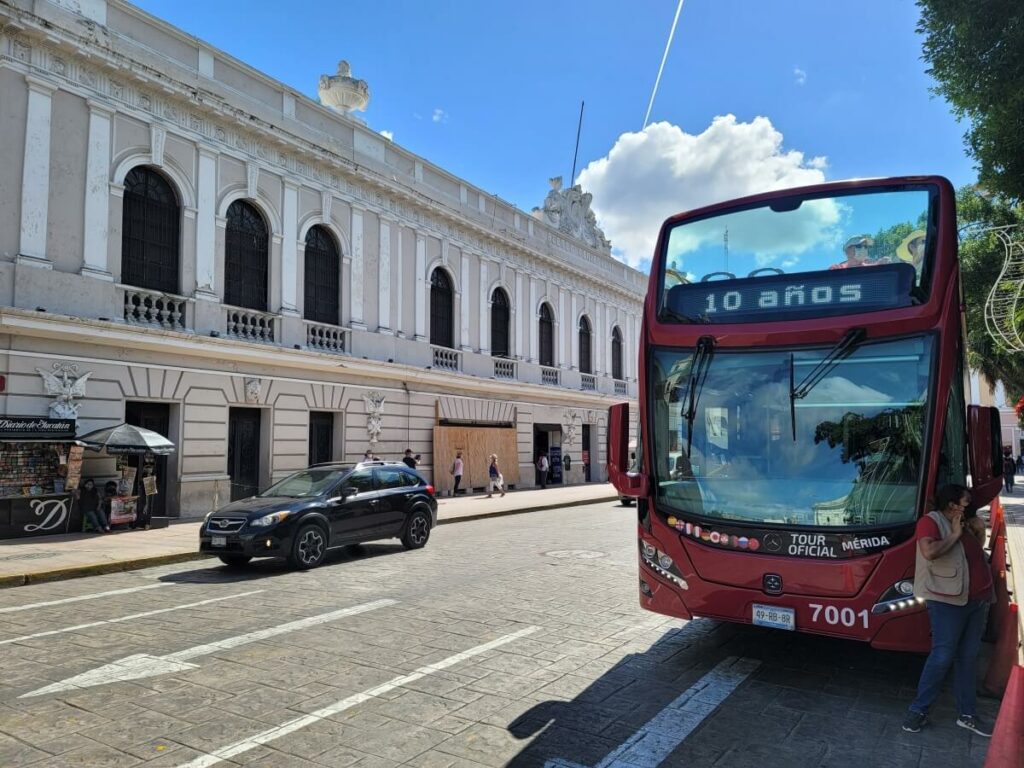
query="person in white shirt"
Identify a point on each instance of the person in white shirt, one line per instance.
(457, 470)
(543, 465)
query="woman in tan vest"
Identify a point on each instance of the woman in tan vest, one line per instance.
(953, 579)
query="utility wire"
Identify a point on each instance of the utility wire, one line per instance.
(664, 57)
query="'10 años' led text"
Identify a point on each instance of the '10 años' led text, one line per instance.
(791, 296)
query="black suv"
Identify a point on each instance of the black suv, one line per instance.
(317, 509)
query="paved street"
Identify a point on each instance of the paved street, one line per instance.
(508, 641)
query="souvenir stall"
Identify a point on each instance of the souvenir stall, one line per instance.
(131, 493)
(40, 468)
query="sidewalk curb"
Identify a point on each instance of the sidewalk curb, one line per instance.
(523, 510)
(138, 563)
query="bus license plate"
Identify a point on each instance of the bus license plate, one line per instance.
(774, 616)
(219, 541)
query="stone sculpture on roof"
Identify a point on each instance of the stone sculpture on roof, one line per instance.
(342, 92)
(568, 210)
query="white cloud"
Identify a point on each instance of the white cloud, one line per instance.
(800, 75)
(650, 175)
(439, 116)
(388, 135)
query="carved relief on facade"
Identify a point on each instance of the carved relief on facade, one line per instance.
(252, 390)
(568, 210)
(374, 415)
(65, 385)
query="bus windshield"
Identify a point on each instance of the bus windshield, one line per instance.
(799, 257)
(792, 437)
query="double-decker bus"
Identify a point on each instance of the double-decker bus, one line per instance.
(801, 398)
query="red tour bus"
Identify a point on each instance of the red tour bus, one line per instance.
(801, 398)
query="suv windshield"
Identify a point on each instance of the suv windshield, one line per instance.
(793, 257)
(308, 482)
(845, 451)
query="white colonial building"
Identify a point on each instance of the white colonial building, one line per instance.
(271, 283)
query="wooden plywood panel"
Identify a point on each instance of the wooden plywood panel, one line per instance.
(476, 444)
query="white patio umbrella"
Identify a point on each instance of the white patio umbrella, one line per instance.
(126, 439)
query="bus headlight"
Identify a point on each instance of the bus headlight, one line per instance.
(661, 564)
(648, 549)
(905, 587)
(899, 597)
(664, 561)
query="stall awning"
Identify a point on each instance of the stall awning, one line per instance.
(55, 440)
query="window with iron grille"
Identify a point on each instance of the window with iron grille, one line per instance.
(616, 353)
(499, 323)
(246, 257)
(150, 231)
(585, 363)
(547, 335)
(441, 315)
(322, 277)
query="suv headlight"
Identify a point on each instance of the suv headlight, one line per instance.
(272, 519)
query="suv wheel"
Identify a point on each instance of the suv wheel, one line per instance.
(308, 547)
(235, 561)
(417, 530)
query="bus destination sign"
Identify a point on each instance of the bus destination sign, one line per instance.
(831, 292)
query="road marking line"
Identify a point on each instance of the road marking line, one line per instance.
(226, 753)
(663, 733)
(142, 665)
(127, 618)
(92, 596)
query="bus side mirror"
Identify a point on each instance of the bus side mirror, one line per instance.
(632, 484)
(984, 441)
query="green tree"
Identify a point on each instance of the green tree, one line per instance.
(975, 50)
(981, 259)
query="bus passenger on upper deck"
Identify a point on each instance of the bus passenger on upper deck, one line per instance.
(911, 250)
(857, 253)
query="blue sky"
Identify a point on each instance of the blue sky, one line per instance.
(508, 79)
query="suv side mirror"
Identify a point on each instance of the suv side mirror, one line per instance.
(984, 432)
(627, 483)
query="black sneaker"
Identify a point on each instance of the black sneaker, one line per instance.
(972, 723)
(913, 721)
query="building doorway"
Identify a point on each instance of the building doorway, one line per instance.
(586, 453)
(244, 452)
(321, 437)
(547, 439)
(155, 417)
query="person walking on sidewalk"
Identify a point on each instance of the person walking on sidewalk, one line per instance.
(1009, 469)
(495, 482)
(951, 575)
(458, 467)
(543, 465)
(89, 500)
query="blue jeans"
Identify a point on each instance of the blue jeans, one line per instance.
(96, 519)
(956, 638)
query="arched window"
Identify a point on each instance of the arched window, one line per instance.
(322, 277)
(616, 353)
(150, 228)
(246, 257)
(585, 347)
(547, 335)
(499, 323)
(441, 327)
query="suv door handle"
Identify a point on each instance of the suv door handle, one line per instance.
(374, 502)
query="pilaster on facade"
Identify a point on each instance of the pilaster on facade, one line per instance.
(384, 279)
(567, 324)
(521, 317)
(290, 250)
(206, 226)
(421, 287)
(97, 193)
(399, 262)
(574, 337)
(35, 179)
(356, 281)
(534, 318)
(464, 303)
(485, 309)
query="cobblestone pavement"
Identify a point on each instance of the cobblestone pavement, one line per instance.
(511, 641)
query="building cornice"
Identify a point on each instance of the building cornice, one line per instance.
(154, 95)
(253, 359)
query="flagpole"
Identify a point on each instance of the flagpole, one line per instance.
(575, 154)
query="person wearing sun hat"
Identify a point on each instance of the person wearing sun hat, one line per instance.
(857, 252)
(911, 250)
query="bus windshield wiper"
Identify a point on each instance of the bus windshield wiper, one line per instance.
(843, 348)
(702, 356)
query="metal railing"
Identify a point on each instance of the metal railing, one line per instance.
(504, 369)
(324, 337)
(621, 388)
(588, 383)
(447, 359)
(144, 307)
(549, 376)
(251, 325)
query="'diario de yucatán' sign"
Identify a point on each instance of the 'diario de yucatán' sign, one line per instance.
(30, 428)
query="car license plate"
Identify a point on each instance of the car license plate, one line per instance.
(219, 541)
(774, 616)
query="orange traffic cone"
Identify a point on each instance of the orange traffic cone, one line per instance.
(1004, 655)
